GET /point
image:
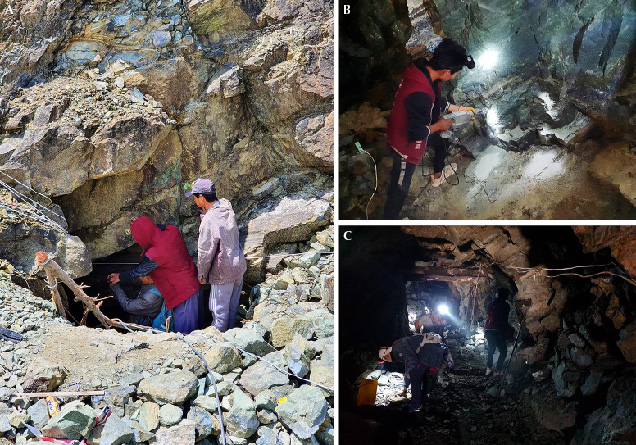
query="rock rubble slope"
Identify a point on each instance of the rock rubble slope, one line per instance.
(159, 390)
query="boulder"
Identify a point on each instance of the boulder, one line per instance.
(284, 329)
(627, 342)
(182, 434)
(174, 388)
(293, 219)
(213, 16)
(74, 422)
(249, 341)
(204, 422)
(223, 358)
(44, 377)
(261, 376)
(304, 411)
(242, 420)
(297, 362)
(39, 414)
(170, 415)
(116, 432)
(613, 423)
(553, 413)
(149, 416)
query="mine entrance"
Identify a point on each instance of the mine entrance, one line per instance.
(96, 285)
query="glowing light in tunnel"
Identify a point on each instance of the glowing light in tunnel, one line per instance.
(488, 59)
(549, 104)
(443, 309)
(492, 119)
(543, 164)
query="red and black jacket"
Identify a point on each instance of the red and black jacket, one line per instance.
(413, 81)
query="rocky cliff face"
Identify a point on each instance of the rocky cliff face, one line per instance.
(110, 107)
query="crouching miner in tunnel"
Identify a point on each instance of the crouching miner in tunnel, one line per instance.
(167, 261)
(221, 261)
(423, 356)
(148, 309)
(415, 121)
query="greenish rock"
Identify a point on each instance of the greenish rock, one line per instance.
(304, 411)
(242, 420)
(116, 432)
(39, 413)
(174, 388)
(74, 421)
(323, 322)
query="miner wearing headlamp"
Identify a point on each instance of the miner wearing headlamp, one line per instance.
(415, 121)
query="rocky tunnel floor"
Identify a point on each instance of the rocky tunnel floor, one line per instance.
(540, 183)
(463, 407)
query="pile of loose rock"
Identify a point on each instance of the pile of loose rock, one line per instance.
(159, 391)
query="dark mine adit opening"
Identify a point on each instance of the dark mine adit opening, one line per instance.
(97, 287)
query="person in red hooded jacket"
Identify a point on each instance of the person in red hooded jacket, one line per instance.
(415, 119)
(167, 261)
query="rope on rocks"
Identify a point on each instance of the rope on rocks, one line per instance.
(33, 205)
(251, 257)
(291, 374)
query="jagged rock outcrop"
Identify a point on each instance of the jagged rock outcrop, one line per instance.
(111, 107)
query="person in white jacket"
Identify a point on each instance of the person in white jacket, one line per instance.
(220, 259)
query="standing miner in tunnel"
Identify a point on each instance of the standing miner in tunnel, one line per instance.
(496, 330)
(422, 357)
(221, 261)
(415, 121)
(167, 261)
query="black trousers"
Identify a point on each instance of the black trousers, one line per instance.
(399, 184)
(439, 145)
(496, 341)
(419, 378)
(402, 174)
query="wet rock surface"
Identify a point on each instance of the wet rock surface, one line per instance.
(546, 107)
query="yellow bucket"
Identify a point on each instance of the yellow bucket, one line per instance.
(366, 392)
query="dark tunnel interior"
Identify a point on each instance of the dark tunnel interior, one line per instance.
(565, 358)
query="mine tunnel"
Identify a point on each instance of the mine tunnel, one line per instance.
(552, 88)
(568, 376)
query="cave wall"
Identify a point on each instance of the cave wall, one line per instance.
(110, 107)
(577, 329)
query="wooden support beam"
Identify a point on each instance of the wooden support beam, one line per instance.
(60, 394)
(447, 278)
(442, 270)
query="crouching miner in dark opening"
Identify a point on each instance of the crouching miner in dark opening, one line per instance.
(148, 309)
(167, 261)
(422, 360)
